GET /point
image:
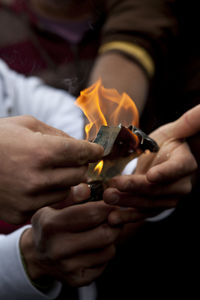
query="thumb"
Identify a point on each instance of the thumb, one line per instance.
(187, 125)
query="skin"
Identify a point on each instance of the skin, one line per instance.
(73, 245)
(161, 179)
(39, 164)
(88, 245)
(112, 67)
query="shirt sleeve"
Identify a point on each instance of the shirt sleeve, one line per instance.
(14, 282)
(151, 25)
(21, 95)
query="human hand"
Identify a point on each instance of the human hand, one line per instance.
(72, 245)
(39, 164)
(162, 178)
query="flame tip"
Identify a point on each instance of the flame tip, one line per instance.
(99, 167)
(104, 106)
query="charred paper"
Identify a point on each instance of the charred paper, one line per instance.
(121, 145)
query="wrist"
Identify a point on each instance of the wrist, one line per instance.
(31, 262)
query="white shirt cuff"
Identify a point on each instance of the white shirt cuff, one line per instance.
(14, 282)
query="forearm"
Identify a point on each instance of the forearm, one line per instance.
(14, 283)
(117, 71)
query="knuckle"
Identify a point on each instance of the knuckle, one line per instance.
(93, 215)
(33, 183)
(30, 120)
(42, 220)
(107, 235)
(187, 187)
(42, 232)
(42, 156)
(53, 252)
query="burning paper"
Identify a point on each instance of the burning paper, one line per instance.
(112, 123)
(106, 107)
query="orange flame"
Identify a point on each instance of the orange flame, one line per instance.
(99, 167)
(104, 106)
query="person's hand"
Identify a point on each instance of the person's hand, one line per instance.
(162, 178)
(72, 245)
(39, 164)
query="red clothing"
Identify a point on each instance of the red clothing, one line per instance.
(6, 228)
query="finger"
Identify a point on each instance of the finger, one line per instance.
(84, 276)
(97, 238)
(138, 186)
(88, 260)
(59, 178)
(114, 197)
(131, 183)
(120, 217)
(181, 162)
(187, 125)
(65, 152)
(57, 198)
(81, 217)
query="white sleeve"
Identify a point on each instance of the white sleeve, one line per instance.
(14, 282)
(20, 95)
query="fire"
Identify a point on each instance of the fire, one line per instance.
(104, 106)
(99, 167)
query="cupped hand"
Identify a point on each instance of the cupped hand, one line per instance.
(161, 179)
